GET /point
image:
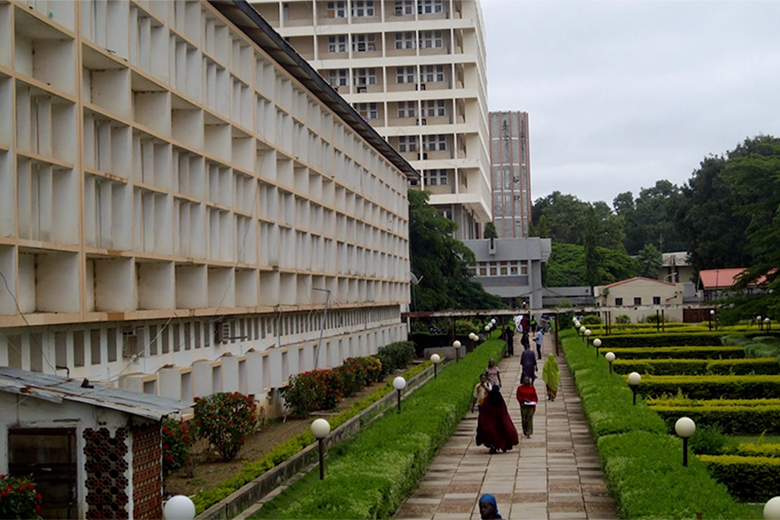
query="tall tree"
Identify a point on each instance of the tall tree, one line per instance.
(441, 262)
(566, 266)
(589, 236)
(649, 218)
(490, 231)
(562, 218)
(650, 261)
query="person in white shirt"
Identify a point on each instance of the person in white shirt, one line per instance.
(481, 391)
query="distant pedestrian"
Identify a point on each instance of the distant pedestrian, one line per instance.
(493, 373)
(524, 341)
(539, 339)
(528, 362)
(509, 337)
(552, 376)
(526, 396)
(488, 507)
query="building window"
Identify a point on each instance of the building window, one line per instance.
(656, 300)
(367, 110)
(483, 270)
(637, 300)
(337, 9)
(364, 76)
(435, 177)
(430, 6)
(404, 7)
(337, 43)
(338, 78)
(362, 8)
(407, 143)
(618, 301)
(405, 75)
(432, 73)
(407, 109)
(434, 108)
(363, 43)
(404, 40)
(431, 40)
(432, 143)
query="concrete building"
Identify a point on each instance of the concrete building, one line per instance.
(511, 268)
(510, 165)
(415, 70)
(181, 201)
(639, 291)
(677, 268)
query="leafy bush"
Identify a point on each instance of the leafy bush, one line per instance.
(677, 352)
(752, 449)
(746, 419)
(761, 366)
(752, 479)
(762, 350)
(313, 390)
(662, 339)
(18, 498)
(622, 319)
(225, 419)
(709, 440)
(176, 443)
(396, 356)
(591, 319)
(712, 387)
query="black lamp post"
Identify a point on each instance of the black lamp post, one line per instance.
(633, 380)
(685, 428)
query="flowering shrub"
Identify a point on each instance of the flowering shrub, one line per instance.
(225, 419)
(176, 445)
(313, 390)
(18, 498)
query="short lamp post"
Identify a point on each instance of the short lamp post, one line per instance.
(435, 359)
(399, 383)
(582, 332)
(712, 314)
(610, 357)
(473, 337)
(587, 337)
(456, 345)
(767, 323)
(321, 428)
(760, 323)
(633, 380)
(772, 509)
(179, 507)
(685, 428)
(597, 344)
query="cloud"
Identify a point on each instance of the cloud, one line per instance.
(621, 94)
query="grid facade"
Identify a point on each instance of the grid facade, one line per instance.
(178, 210)
(415, 70)
(511, 171)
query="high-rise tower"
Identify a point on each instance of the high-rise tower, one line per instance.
(511, 172)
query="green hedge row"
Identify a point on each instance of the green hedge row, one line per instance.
(753, 479)
(667, 367)
(677, 352)
(732, 420)
(669, 339)
(712, 387)
(752, 449)
(641, 461)
(370, 476)
(206, 498)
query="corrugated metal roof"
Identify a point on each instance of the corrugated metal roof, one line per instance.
(57, 389)
(719, 278)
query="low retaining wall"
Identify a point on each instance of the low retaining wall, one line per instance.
(254, 491)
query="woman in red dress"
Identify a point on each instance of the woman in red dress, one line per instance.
(494, 426)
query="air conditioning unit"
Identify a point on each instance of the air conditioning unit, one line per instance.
(222, 331)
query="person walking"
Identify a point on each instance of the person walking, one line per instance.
(526, 396)
(494, 426)
(480, 391)
(493, 373)
(488, 507)
(509, 337)
(528, 362)
(539, 339)
(551, 374)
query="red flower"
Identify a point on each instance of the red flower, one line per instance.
(166, 447)
(38, 497)
(242, 441)
(37, 508)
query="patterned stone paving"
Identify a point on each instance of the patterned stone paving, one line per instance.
(554, 475)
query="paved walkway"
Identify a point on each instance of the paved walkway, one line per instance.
(554, 475)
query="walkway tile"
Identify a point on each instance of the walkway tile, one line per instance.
(555, 475)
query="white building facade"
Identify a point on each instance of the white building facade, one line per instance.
(184, 207)
(415, 70)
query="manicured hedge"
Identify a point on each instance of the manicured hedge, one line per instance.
(752, 479)
(712, 387)
(733, 420)
(370, 476)
(665, 367)
(752, 449)
(669, 339)
(641, 461)
(677, 352)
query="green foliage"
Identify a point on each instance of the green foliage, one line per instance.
(592, 258)
(225, 419)
(622, 319)
(753, 449)
(650, 261)
(176, 444)
(752, 479)
(709, 440)
(712, 387)
(650, 217)
(396, 356)
(665, 367)
(762, 350)
(591, 319)
(662, 339)
(566, 266)
(678, 352)
(490, 231)
(441, 262)
(371, 475)
(563, 217)
(747, 419)
(18, 498)
(313, 390)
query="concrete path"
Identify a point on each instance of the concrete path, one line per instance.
(553, 475)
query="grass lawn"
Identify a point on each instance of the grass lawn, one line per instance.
(767, 439)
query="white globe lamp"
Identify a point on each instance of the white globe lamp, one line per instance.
(179, 507)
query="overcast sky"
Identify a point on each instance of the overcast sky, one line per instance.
(623, 93)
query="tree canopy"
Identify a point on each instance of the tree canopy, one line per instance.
(649, 219)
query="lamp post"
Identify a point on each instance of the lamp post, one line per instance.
(321, 428)
(435, 359)
(582, 332)
(767, 323)
(772, 509)
(597, 344)
(179, 507)
(610, 357)
(587, 337)
(633, 380)
(712, 313)
(456, 344)
(760, 323)
(685, 428)
(399, 383)
(473, 337)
